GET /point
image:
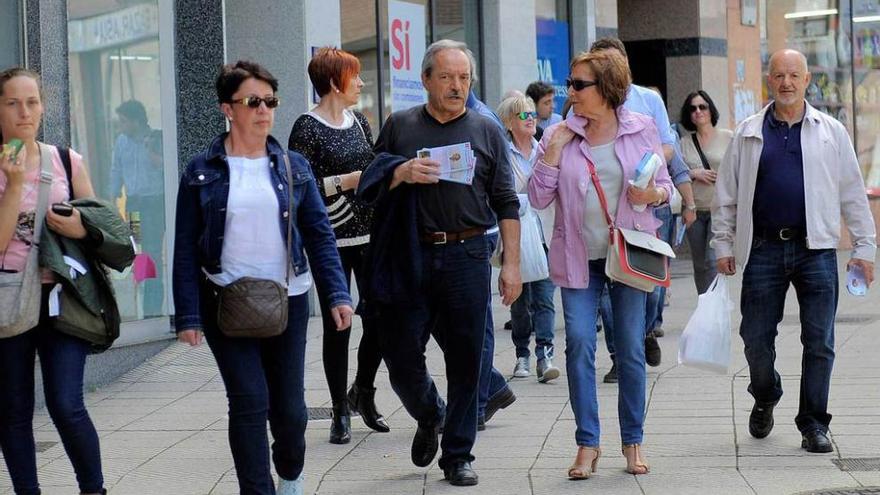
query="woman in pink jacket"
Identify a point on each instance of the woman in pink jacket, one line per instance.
(599, 131)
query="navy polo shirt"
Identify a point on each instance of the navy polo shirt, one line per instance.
(779, 190)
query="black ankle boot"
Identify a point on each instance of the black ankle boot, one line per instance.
(363, 400)
(340, 428)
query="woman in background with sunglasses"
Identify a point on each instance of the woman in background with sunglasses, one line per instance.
(702, 148)
(233, 209)
(533, 311)
(602, 137)
(339, 145)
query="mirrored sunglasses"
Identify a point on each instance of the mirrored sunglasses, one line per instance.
(526, 115)
(255, 101)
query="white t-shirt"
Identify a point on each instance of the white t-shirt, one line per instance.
(252, 244)
(611, 177)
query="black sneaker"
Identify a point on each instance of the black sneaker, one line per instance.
(500, 400)
(817, 442)
(611, 376)
(761, 420)
(652, 350)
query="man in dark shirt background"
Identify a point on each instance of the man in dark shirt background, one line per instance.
(451, 296)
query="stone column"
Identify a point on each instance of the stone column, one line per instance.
(509, 47)
(46, 53)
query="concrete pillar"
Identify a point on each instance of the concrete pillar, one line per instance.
(509, 45)
(11, 35)
(46, 53)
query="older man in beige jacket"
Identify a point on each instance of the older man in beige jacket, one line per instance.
(789, 175)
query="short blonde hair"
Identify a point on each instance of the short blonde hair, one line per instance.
(511, 106)
(611, 72)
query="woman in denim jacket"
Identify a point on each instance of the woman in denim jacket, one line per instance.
(613, 139)
(232, 213)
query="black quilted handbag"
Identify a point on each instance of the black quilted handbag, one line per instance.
(254, 307)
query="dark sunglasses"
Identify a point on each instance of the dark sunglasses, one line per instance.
(702, 107)
(579, 84)
(526, 115)
(255, 101)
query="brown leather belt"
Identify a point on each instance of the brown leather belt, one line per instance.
(445, 237)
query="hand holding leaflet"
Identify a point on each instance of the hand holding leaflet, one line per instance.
(456, 161)
(855, 281)
(645, 171)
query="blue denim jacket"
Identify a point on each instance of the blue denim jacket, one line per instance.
(201, 222)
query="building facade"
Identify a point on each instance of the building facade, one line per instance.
(130, 83)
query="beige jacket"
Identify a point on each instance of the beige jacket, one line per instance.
(833, 188)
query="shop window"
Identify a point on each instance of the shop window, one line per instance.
(115, 116)
(453, 19)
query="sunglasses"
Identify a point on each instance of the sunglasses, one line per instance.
(527, 115)
(701, 107)
(579, 84)
(255, 101)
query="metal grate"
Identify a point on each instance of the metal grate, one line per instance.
(863, 490)
(44, 446)
(858, 464)
(792, 320)
(323, 413)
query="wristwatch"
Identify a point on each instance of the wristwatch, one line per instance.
(337, 181)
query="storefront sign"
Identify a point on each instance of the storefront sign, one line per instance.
(553, 57)
(406, 40)
(116, 28)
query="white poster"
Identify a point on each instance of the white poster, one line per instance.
(406, 48)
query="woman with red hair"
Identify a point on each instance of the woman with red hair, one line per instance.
(338, 143)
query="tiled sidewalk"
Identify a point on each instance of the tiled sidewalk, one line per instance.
(163, 425)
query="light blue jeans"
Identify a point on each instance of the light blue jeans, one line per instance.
(580, 307)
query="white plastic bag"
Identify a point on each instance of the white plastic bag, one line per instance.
(705, 342)
(532, 257)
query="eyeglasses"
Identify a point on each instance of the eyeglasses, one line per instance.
(255, 101)
(579, 84)
(527, 115)
(701, 107)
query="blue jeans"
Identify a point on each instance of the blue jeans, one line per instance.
(264, 381)
(607, 320)
(534, 312)
(656, 299)
(581, 307)
(451, 305)
(771, 268)
(491, 380)
(62, 362)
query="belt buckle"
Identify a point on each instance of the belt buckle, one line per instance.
(442, 235)
(786, 234)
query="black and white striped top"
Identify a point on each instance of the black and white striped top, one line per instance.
(337, 150)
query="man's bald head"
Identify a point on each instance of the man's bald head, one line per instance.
(788, 56)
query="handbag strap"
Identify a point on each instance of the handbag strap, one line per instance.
(604, 202)
(289, 211)
(700, 151)
(361, 127)
(46, 175)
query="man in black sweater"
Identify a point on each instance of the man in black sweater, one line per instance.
(446, 290)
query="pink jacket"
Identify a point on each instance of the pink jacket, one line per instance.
(568, 185)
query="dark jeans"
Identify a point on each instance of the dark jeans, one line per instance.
(534, 312)
(335, 351)
(152, 213)
(451, 306)
(657, 298)
(491, 380)
(699, 234)
(771, 268)
(62, 361)
(264, 380)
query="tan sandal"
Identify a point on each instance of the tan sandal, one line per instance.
(635, 464)
(584, 463)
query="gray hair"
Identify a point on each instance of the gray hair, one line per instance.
(440, 45)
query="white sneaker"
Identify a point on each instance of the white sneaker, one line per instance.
(288, 487)
(521, 370)
(546, 370)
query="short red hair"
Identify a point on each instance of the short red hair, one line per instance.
(332, 65)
